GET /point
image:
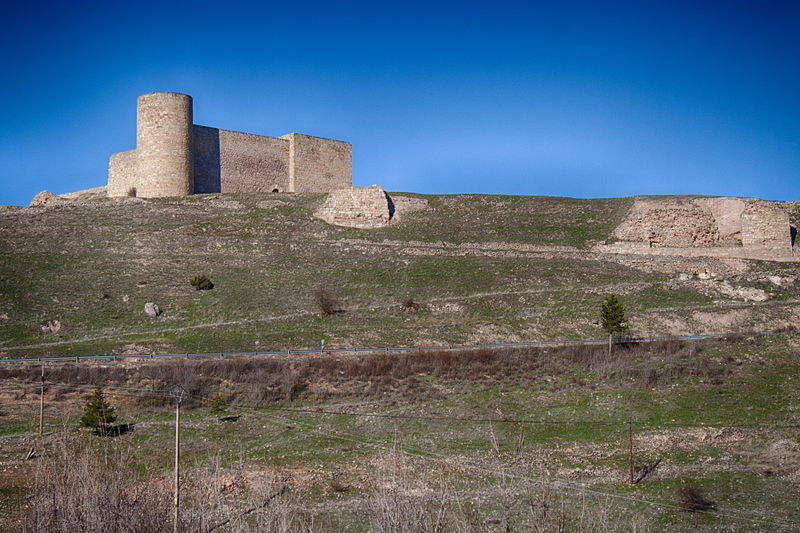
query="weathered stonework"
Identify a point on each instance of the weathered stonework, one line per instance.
(231, 161)
(766, 227)
(722, 226)
(316, 165)
(358, 207)
(174, 157)
(46, 198)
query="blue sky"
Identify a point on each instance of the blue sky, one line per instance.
(586, 99)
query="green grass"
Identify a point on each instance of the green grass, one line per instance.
(82, 265)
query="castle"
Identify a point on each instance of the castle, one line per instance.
(175, 157)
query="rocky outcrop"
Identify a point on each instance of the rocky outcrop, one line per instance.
(357, 207)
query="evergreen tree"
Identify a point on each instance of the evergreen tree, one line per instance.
(218, 406)
(98, 413)
(612, 318)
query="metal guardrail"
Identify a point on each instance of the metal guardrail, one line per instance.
(377, 349)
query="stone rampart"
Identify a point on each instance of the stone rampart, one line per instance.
(719, 226)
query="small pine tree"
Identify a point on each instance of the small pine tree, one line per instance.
(612, 318)
(218, 406)
(98, 413)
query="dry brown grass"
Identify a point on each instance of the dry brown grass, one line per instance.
(263, 380)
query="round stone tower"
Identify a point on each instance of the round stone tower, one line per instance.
(164, 144)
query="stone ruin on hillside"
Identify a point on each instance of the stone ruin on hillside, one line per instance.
(358, 207)
(721, 226)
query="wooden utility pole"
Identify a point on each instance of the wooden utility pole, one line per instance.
(631, 478)
(41, 406)
(178, 398)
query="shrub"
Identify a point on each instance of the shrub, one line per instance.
(218, 406)
(691, 499)
(409, 304)
(201, 283)
(326, 302)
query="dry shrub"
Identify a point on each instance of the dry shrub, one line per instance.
(402, 503)
(409, 304)
(326, 302)
(262, 380)
(692, 499)
(76, 488)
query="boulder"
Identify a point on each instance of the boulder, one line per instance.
(52, 326)
(151, 309)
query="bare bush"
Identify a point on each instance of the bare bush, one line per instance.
(692, 499)
(409, 304)
(80, 489)
(326, 302)
(77, 487)
(403, 504)
(263, 380)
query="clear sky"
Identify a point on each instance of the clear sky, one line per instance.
(586, 99)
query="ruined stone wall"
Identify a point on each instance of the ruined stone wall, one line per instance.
(718, 226)
(317, 164)
(677, 222)
(727, 214)
(231, 161)
(767, 227)
(357, 207)
(122, 174)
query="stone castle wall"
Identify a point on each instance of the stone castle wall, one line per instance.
(231, 161)
(122, 174)
(317, 164)
(174, 157)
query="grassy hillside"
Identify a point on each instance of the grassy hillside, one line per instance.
(472, 441)
(481, 268)
(479, 441)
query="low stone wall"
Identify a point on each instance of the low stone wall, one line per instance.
(738, 252)
(357, 207)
